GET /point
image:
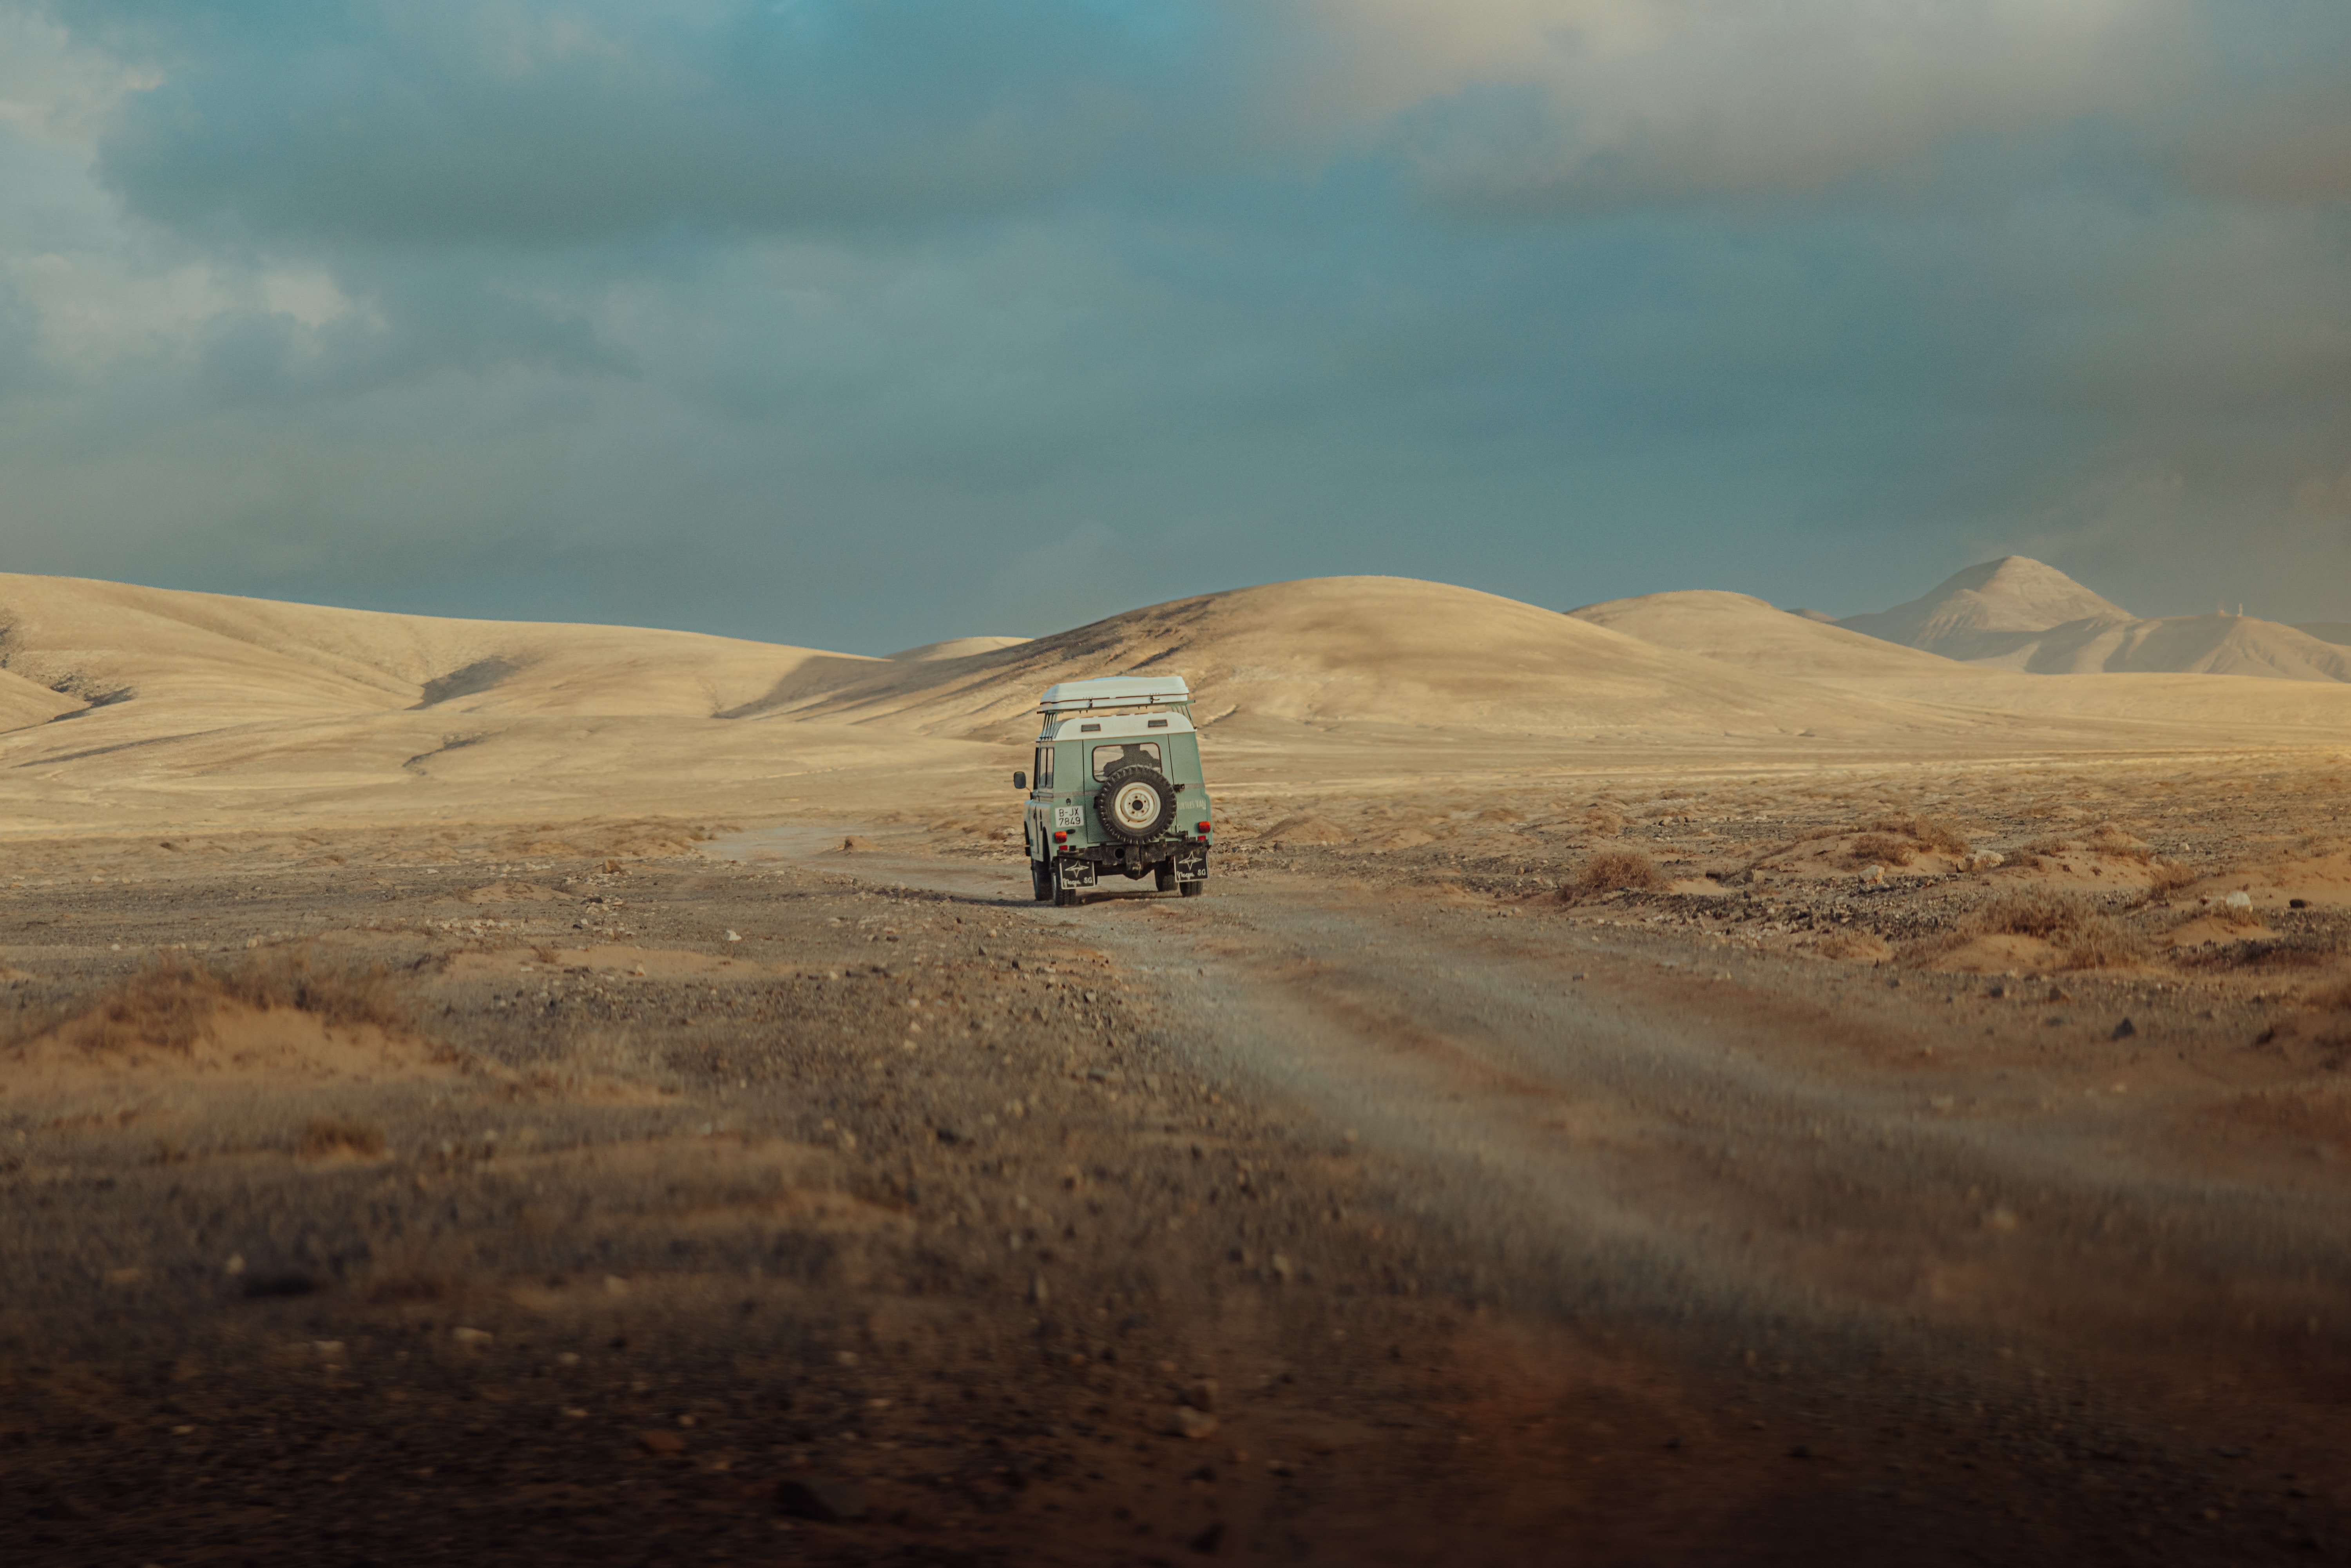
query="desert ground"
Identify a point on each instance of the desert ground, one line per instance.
(1681, 1083)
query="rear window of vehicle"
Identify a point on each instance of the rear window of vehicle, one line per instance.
(1108, 759)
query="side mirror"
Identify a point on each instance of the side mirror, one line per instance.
(1020, 780)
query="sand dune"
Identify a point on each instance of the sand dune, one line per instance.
(2215, 703)
(24, 702)
(956, 648)
(212, 658)
(1333, 653)
(2188, 644)
(1988, 610)
(181, 708)
(2016, 614)
(1740, 629)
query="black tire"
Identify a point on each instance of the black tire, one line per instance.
(1192, 889)
(1041, 879)
(1166, 879)
(1064, 895)
(1135, 804)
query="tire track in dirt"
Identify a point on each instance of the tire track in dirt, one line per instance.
(1705, 1167)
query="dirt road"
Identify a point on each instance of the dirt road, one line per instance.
(1873, 1222)
(1307, 1221)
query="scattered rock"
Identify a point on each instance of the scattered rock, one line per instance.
(472, 1339)
(660, 1443)
(2297, 903)
(828, 1500)
(856, 843)
(258, 1286)
(2241, 901)
(1208, 1540)
(1283, 1269)
(1184, 1421)
(1202, 1393)
(2124, 1030)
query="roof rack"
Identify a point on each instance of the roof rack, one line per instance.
(1116, 691)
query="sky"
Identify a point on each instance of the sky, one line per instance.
(862, 323)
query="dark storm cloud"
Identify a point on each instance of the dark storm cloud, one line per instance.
(864, 322)
(416, 124)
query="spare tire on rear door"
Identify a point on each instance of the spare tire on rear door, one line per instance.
(1135, 804)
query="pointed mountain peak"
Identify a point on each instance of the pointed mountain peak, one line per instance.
(2012, 596)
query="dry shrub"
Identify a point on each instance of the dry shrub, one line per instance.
(1925, 832)
(2089, 939)
(331, 1135)
(1881, 849)
(1613, 870)
(338, 993)
(2168, 877)
(1602, 823)
(2119, 844)
(1854, 944)
(2334, 997)
(169, 1005)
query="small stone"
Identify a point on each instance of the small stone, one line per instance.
(1039, 1291)
(235, 1266)
(828, 1500)
(615, 1286)
(1283, 1269)
(732, 937)
(1185, 1422)
(660, 1442)
(1208, 1540)
(1202, 1393)
(472, 1339)
(2124, 1030)
(2297, 903)
(2241, 901)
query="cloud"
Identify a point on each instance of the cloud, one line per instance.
(438, 121)
(865, 322)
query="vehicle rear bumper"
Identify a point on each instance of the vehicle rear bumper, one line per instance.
(1084, 864)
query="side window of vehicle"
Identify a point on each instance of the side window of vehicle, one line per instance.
(1110, 758)
(1044, 767)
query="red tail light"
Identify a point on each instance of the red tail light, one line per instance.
(1060, 837)
(1203, 827)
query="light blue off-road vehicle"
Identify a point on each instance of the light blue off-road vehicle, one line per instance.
(1117, 787)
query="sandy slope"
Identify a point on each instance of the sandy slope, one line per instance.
(1740, 629)
(1980, 612)
(2016, 614)
(189, 659)
(197, 708)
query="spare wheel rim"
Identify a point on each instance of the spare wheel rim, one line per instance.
(1135, 804)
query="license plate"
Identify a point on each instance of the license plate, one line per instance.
(1069, 816)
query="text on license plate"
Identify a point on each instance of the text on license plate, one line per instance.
(1069, 816)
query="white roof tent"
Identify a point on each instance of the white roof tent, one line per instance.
(1115, 692)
